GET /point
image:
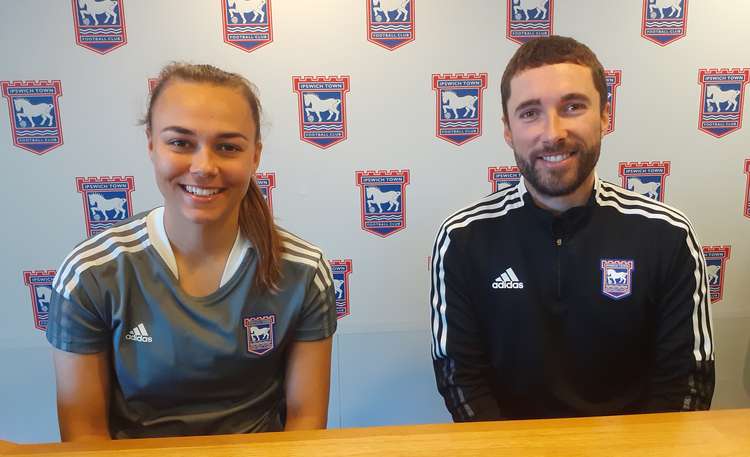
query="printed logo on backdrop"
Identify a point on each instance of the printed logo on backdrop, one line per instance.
(247, 23)
(322, 108)
(529, 19)
(458, 106)
(341, 270)
(106, 201)
(390, 23)
(746, 208)
(503, 177)
(152, 82)
(34, 114)
(40, 286)
(613, 79)
(664, 21)
(266, 182)
(617, 277)
(100, 24)
(722, 97)
(716, 262)
(259, 332)
(383, 200)
(645, 178)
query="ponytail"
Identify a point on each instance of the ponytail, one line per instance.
(257, 225)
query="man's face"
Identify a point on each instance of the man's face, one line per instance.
(554, 126)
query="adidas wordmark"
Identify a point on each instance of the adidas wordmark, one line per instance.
(139, 334)
(507, 280)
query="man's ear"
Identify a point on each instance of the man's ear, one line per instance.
(507, 134)
(605, 118)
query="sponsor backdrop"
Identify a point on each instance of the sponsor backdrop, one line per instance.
(367, 102)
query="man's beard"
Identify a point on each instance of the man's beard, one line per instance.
(552, 183)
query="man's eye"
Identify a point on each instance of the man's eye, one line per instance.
(574, 107)
(528, 115)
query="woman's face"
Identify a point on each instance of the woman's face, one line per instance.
(204, 149)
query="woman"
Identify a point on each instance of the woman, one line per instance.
(201, 316)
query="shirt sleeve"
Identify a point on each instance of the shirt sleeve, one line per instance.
(318, 315)
(682, 375)
(458, 356)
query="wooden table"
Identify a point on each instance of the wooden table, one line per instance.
(710, 433)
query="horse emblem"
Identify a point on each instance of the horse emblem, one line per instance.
(528, 19)
(645, 178)
(247, 23)
(503, 177)
(100, 24)
(664, 21)
(266, 182)
(613, 78)
(716, 262)
(34, 114)
(746, 208)
(458, 106)
(152, 83)
(106, 201)
(390, 23)
(259, 333)
(40, 287)
(341, 269)
(383, 200)
(617, 277)
(322, 108)
(722, 96)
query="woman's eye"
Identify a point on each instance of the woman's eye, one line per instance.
(228, 148)
(178, 143)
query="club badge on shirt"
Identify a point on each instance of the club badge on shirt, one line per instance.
(617, 277)
(259, 332)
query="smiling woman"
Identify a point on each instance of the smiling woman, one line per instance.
(201, 316)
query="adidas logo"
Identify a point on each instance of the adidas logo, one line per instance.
(139, 334)
(507, 280)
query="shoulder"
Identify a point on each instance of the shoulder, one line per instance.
(306, 257)
(128, 237)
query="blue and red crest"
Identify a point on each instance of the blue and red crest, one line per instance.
(664, 21)
(34, 114)
(722, 97)
(341, 269)
(266, 182)
(458, 106)
(106, 201)
(40, 286)
(617, 277)
(322, 108)
(613, 79)
(152, 82)
(247, 23)
(746, 207)
(503, 177)
(259, 332)
(645, 178)
(390, 23)
(383, 200)
(529, 19)
(716, 262)
(100, 24)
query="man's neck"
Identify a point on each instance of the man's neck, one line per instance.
(559, 204)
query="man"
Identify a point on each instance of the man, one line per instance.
(566, 295)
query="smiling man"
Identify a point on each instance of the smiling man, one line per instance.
(567, 295)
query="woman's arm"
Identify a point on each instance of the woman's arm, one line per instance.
(308, 379)
(82, 395)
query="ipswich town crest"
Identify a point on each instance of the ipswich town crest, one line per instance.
(617, 277)
(613, 79)
(106, 201)
(722, 96)
(529, 19)
(645, 178)
(100, 24)
(746, 208)
(664, 21)
(503, 177)
(34, 114)
(266, 182)
(383, 200)
(716, 262)
(322, 108)
(40, 286)
(341, 270)
(390, 23)
(152, 82)
(247, 23)
(458, 106)
(259, 332)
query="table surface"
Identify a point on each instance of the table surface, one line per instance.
(705, 433)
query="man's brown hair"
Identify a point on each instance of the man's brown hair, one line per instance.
(549, 51)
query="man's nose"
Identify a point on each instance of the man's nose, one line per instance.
(554, 130)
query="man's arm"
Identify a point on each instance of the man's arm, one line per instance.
(458, 357)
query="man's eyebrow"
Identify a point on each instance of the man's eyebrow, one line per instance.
(575, 96)
(527, 103)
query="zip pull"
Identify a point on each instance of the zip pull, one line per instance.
(558, 242)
